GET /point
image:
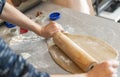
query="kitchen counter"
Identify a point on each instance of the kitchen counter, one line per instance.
(36, 49)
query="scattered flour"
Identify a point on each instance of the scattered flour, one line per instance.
(24, 38)
(68, 28)
(40, 64)
(25, 55)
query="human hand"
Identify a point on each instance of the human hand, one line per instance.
(50, 29)
(105, 69)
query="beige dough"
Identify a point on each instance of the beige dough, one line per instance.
(96, 48)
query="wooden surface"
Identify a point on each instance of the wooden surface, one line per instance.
(75, 52)
(73, 59)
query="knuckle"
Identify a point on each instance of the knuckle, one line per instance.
(105, 64)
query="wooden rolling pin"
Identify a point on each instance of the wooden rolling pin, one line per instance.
(77, 54)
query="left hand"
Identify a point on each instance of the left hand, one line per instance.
(105, 69)
(50, 29)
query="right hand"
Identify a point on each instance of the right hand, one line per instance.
(105, 69)
(51, 28)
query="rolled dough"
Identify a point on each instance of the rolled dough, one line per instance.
(95, 47)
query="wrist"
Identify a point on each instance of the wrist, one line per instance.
(36, 28)
(40, 32)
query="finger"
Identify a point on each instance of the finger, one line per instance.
(60, 27)
(53, 32)
(57, 27)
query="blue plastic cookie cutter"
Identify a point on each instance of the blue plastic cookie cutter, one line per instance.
(54, 16)
(9, 25)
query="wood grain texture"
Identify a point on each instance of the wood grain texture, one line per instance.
(94, 47)
(76, 53)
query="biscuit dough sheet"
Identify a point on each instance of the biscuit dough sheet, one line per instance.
(98, 49)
